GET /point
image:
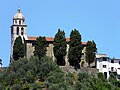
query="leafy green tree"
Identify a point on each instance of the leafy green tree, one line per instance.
(82, 76)
(2, 87)
(60, 47)
(90, 52)
(89, 82)
(63, 81)
(116, 83)
(35, 86)
(18, 49)
(84, 79)
(40, 47)
(24, 73)
(78, 85)
(53, 75)
(69, 78)
(101, 76)
(16, 87)
(112, 78)
(54, 87)
(75, 49)
(46, 67)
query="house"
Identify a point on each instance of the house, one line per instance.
(107, 65)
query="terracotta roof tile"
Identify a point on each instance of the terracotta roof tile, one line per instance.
(67, 39)
(84, 43)
(32, 38)
(51, 39)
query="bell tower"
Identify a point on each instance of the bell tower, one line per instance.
(18, 28)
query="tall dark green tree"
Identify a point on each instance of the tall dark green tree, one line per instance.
(60, 47)
(90, 52)
(75, 49)
(1, 62)
(18, 49)
(40, 47)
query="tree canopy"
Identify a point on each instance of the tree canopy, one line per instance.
(35, 74)
(90, 52)
(18, 49)
(1, 62)
(27, 74)
(60, 46)
(40, 47)
(75, 48)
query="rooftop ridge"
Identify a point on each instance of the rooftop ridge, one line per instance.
(33, 38)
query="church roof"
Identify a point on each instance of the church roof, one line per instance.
(18, 15)
(52, 39)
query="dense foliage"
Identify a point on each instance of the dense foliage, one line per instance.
(90, 52)
(35, 74)
(40, 47)
(88, 82)
(27, 73)
(75, 48)
(60, 46)
(18, 49)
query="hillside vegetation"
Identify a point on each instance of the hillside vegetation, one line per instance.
(36, 74)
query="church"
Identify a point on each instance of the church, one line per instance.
(19, 28)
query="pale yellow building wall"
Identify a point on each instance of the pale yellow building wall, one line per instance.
(66, 57)
(30, 49)
(50, 52)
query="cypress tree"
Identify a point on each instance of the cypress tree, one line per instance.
(90, 52)
(75, 49)
(60, 47)
(18, 49)
(40, 47)
(1, 62)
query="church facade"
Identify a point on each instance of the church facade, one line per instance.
(19, 28)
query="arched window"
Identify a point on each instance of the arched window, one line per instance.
(19, 21)
(15, 21)
(22, 31)
(17, 30)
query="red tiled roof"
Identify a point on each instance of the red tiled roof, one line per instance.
(49, 39)
(32, 38)
(84, 43)
(52, 39)
(67, 39)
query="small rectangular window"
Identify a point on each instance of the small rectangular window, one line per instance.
(19, 21)
(112, 61)
(104, 59)
(17, 30)
(15, 21)
(22, 31)
(112, 68)
(104, 66)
